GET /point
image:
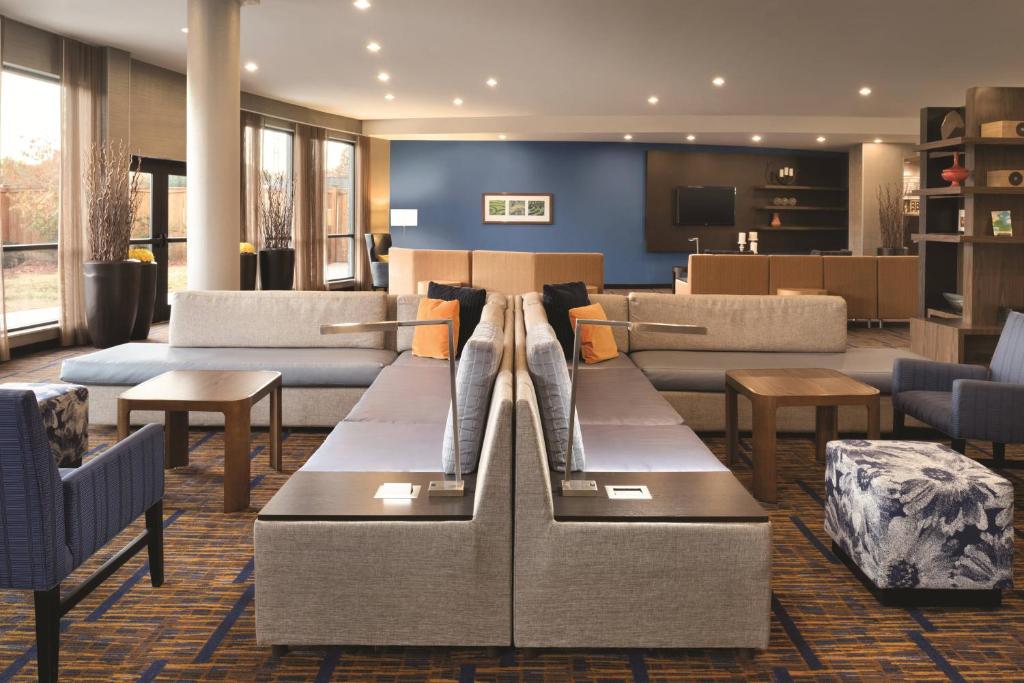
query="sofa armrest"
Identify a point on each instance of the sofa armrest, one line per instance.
(911, 374)
(993, 411)
(111, 490)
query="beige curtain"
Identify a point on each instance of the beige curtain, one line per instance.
(82, 87)
(361, 258)
(308, 218)
(5, 347)
(252, 140)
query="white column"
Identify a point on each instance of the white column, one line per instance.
(213, 144)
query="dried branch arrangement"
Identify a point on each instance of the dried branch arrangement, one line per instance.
(276, 204)
(890, 214)
(112, 191)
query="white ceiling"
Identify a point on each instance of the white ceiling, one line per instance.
(583, 69)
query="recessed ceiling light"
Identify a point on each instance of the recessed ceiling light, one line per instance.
(627, 136)
(457, 101)
(755, 138)
(501, 136)
(691, 137)
(492, 82)
(389, 97)
(865, 91)
(361, 4)
(653, 99)
(718, 81)
(822, 138)
(383, 77)
(878, 141)
(184, 29)
(251, 67)
(373, 46)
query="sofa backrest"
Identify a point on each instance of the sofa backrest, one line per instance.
(794, 270)
(493, 503)
(408, 267)
(855, 278)
(728, 274)
(741, 323)
(274, 319)
(518, 272)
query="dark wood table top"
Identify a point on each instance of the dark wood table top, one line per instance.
(807, 386)
(680, 497)
(202, 389)
(321, 496)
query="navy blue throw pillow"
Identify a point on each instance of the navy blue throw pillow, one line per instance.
(471, 306)
(557, 300)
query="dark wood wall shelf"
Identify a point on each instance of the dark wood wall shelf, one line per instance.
(799, 228)
(802, 208)
(800, 188)
(987, 270)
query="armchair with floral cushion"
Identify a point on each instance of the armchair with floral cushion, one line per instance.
(968, 401)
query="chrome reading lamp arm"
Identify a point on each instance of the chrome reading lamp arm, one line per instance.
(444, 487)
(588, 487)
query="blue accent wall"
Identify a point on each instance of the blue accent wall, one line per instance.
(598, 192)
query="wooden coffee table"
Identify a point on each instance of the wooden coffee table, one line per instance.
(232, 393)
(769, 390)
(800, 291)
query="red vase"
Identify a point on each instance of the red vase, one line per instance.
(955, 174)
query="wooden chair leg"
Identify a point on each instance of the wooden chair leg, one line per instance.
(47, 605)
(155, 543)
(998, 453)
(959, 445)
(899, 420)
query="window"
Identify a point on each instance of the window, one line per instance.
(276, 152)
(29, 196)
(339, 210)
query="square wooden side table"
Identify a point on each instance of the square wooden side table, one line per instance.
(769, 390)
(232, 393)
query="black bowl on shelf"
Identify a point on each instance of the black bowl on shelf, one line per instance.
(956, 301)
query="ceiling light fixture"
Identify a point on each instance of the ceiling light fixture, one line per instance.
(878, 141)
(755, 138)
(822, 138)
(373, 46)
(627, 136)
(492, 82)
(457, 101)
(691, 137)
(361, 4)
(865, 91)
(252, 67)
(383, 77)
(718, 81)
(389, 97)
(653, 99)
(184, 29)
(501, 136)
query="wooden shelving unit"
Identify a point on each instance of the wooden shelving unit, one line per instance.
(800, 188)
(987, 270)
(817, 221)
(801, 208)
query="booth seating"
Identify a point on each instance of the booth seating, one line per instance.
(408, 267)
(874, 287)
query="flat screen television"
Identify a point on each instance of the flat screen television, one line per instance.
(705, 205)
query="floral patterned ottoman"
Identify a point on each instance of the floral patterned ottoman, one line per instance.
(919, 516)
(65, 412)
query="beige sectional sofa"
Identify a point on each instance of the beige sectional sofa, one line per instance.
(400, 582)
(613, 584)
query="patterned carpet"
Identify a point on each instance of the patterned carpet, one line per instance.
(200, 625)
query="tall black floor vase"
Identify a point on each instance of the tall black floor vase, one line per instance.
(147, 301)
(277, 268)
(111, 300)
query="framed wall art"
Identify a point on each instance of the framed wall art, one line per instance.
(521, 208)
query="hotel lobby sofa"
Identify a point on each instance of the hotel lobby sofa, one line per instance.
(637, 584)
(874, 287)
(424, 583)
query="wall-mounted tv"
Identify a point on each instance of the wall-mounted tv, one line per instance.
(705, 205)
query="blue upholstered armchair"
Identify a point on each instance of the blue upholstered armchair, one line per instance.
(51, 521)
(967, 401)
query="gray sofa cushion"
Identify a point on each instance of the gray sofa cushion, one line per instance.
(705, 370)
(621, 397)
(409, 393)
(546, 362)
(620, 362)
(478, 367)
(405, 358)
(130, 364)
(377, 447)
(665, 448)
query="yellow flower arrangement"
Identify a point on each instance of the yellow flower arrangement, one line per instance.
(139, 254)
(246, 248)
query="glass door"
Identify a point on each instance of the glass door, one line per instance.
(161, 225)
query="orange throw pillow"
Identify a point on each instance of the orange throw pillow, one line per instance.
(431, 341)
(597, 343)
